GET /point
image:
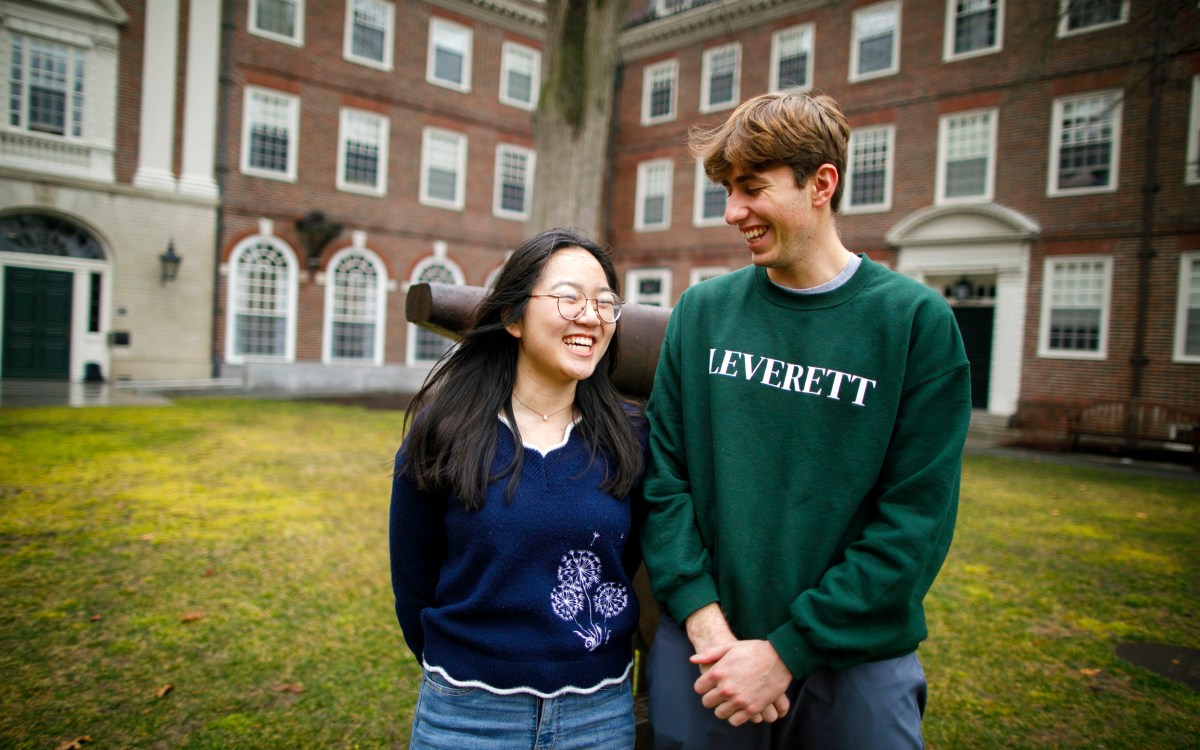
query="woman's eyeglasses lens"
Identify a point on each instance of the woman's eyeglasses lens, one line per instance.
(571, 306)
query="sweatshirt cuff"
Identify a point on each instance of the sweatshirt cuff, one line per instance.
(796, 652)
(690, 596)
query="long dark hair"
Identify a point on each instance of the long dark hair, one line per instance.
(452, 438)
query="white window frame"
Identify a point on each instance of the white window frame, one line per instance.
(807, 32)
(668, 70)
(706, 103)
(1060, 103)
(889, 169)
(442, 31)
(530, 156)
(428, 136)
(703, 185)
(293, 129)
(704, 273)
(894, 68)
(346, 127)
(951, 36)
(297, 37)
(1065, 5)
(75, 92)
(1191, 168)
(646, 171)
(1189, 289)
(511, 54)
(414, 332)
(290, 295)
(389, 34)
(945, 122)
(1048, 275)
(376, 317)
(633, 279)
(670, 7)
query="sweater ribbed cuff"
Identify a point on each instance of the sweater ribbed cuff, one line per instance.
(794, 650)
(690, 596)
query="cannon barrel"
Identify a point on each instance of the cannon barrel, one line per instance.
(447, 309)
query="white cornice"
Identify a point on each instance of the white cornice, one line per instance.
(507, 15)
(705, 22)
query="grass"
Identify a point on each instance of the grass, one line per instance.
(236, 552)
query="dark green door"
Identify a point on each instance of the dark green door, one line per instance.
(976, 325)
(37, 324)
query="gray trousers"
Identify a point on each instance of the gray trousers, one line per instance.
(872, 706)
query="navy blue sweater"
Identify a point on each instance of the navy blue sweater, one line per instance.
(531, 595)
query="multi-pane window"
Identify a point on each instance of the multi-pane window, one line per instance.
(514, 182)
(658, 92)
(369, 32)
(1085, 144)
(426, 347)
(668, 7)
(269, 133)
(354, 303)
(973, 27)
(520, 75)
(1078, 16)
(791, 58)
(648, 286)
(967, 156)
(449, 58)
(654, 195)
(282, 20)
(46, 87)
(362, 152)
(875, 47)
(1192, 166)
(709, 200)
(443, 168)
(262, 301)
(1187, 322)
(1075, 307)
(722, 68)
(869, 173)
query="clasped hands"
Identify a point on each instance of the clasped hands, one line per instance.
(739, 680)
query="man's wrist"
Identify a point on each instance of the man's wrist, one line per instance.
(707, 627)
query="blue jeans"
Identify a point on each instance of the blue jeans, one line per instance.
(872, 706)
(458, 718)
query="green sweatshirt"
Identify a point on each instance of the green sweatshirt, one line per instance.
(805, 461)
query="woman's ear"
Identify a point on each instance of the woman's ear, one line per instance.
(513, 328)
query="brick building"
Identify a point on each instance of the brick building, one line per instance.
(369, 144)
(106, 166)
(1034, 160)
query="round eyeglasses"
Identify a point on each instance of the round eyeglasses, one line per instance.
(572, 304)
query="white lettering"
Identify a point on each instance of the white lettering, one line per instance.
(814, 378)
(788, 376)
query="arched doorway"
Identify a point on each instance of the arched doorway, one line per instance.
(977, 256)
(52, 267)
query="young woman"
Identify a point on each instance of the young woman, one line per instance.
(512, 515)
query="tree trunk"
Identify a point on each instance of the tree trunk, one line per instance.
(571, 124)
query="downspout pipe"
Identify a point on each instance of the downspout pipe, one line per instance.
(1150, 189)
(222, 168)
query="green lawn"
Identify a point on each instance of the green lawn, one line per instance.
(213, 574)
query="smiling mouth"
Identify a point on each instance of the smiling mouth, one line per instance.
(753, 234)
(579, 343)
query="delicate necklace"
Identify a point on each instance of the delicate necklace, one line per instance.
(545, 417)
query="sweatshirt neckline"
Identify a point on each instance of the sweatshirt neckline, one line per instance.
(782, 297)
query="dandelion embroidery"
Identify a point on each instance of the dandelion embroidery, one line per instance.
(573, 597)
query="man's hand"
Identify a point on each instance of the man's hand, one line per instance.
(743, 681)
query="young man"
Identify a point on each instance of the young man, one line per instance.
(807, 424)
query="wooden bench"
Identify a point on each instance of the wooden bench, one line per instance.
(1137, 423)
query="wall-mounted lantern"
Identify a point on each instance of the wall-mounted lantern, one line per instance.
(169, 263)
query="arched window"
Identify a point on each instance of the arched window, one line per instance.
(424, 347)
(355, 300)
(262, 302)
